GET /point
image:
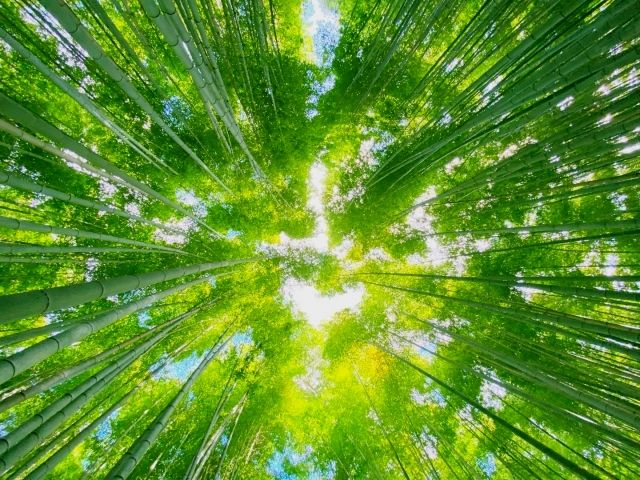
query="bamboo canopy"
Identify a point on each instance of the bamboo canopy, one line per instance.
(319, 239)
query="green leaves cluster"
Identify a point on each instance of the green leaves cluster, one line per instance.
(481, 193)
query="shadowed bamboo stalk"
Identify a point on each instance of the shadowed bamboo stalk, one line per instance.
(25, 225)
(18, 442)
(22, 184)
(96, 164)
(80, 34)
(71, 372)
(131, 458)
(87, 103)
(18, 362)
(50, 419)
(567, 463)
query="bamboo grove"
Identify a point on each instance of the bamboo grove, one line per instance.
(319, 239)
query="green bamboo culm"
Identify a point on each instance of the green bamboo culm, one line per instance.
(37, 302)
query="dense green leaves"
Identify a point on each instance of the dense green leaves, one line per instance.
(253, 239)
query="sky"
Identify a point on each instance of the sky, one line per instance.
(303, 297)
(322, 26)
(316, 308)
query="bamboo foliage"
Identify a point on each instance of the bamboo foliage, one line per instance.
(575, 468)
(354, 239)
(13, 181)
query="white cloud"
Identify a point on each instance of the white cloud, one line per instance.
(317, 309)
